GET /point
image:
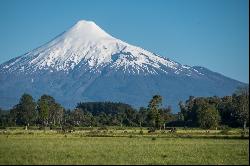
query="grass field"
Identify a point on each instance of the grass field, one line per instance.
(37, 147)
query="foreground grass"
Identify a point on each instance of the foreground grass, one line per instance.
(71, 149)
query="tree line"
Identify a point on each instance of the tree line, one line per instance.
(46, 112)
(212, 112)
(204, 112)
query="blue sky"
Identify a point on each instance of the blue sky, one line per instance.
(209, 33)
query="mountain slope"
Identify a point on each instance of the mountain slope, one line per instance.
(87, 64)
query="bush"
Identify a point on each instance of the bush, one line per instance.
(41, 128)
(2, 127)
(67, 128)
(153, 139)
(151, 130)
(224, 130)
(52, 127)
(244, 133)
(173, 130)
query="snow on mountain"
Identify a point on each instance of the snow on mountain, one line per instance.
(87, 43)
(87, 64)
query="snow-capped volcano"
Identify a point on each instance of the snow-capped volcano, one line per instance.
(87, 64)
(86, 43)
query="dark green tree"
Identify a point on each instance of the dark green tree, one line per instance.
(195, 110)
(55, 113)
(227, 111)
(241, 104)
(141, 117)
(5, 119)
(50, 112)
(121, 117)
(165, 116)
(15, 116)
(26, 109)
(77, 116)
(208, 117)
(103, 119)
(153, 108)
(43, 109)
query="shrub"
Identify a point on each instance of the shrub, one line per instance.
(225, 130)
(52, 127)
(164, 156)
(244, 133)
(151, 130)
(67, 128)
(2, 127)
(41, 128)
(173, 130)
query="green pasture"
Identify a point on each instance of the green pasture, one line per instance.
(114, 146)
